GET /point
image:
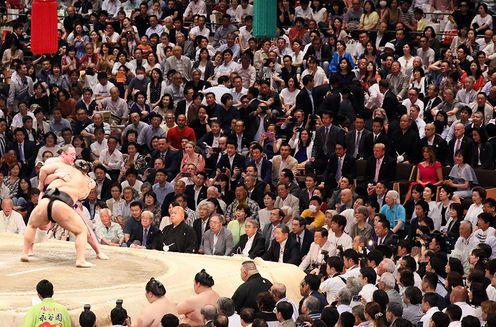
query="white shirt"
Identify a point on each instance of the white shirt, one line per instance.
(367, 292)
(427, 317)
(352, 272)
(98, 148)
(344, 240)
(111, 161)
(467, 309)
(472, 213)
(332, 286)
(12, 223)
(491, 292)
(281, 251)
(248, 245)
(314, 254)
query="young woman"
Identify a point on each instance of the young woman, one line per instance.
(482, 156)
(200, 124)
(302, 144)
(344, 74)
(478, 196)
(483, 20)
(155, 90)
(429, 196)
(419, 81)
(370, 18)
(406, 60)
(264, 214)
(313, 68)
(445, 193)
(12, 180)
(190, 156)
(288, 95)
(204, 64)
(452, 227)
(338, 55)
(461, 177)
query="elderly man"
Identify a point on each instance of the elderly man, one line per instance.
(282, 249)
(212, 193)
(315, 257)
(178, 62)
(459, 297)
(11, 221)
(202, 225)
(143, 235)
(465, 243)
(109, 232)
(387, 283)
(251, 244)
(241, 196)
(394, 211)
(246, 294)
(278, 291)
(57, 204)
(218, 239)
(117, 106)
(178, 236)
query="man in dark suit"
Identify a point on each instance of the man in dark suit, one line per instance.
(245, 295)
(172, 159)
(256, 246)
(325, 141)
(301, 235)
(386, 169)
(262, 115)
(390, 102)
(282, 248)
(102, 182)
(268, 232)
(232, 160)
(239, 137)
(144, 235)
(459, 143)
(255, 189)
(202, 224)
(437, 143)
(305, 100)
(405, 141)
(383, 234)
(378, 135)
(183, 105)
(355, 139)
(264, 166)
(431, 101)
(340, 164)
(197, 191)
(25, 152)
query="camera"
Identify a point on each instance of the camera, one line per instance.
(223, 170)
(186, 174)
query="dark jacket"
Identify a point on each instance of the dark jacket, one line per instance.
(257, 247)
(291, 252)
(246, 294)
(348, 169)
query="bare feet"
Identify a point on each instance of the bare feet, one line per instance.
(84, 264)
(102, 256)
(25, 258)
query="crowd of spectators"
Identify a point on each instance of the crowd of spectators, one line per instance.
(205, 139)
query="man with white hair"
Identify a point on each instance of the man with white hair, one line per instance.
(386, 265)
(344, 300)
(387, 284)
(108, 232)
(213, 193)
(143, 235)
(11, 221)
(394, 211)
(465, 243)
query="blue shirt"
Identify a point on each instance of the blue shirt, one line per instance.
(161, 192)
(395, 214)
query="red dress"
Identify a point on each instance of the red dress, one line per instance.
(428, 174)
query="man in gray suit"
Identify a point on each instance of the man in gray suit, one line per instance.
(218, 239)
(276, 216)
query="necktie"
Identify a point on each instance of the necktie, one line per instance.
(429, 104)
(145, 237)
(457, 147)
(281, 255)
(357, 143)
(379, 241)
(21, 153)
(340, 167)
(326, 136)
(298, 240)
(375, 138)
(377, 169)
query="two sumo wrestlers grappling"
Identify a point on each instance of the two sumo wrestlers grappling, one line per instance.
(62, 185)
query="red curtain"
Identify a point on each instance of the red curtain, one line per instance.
(44, 27)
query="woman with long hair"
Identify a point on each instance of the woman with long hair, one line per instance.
(419, 81)
(370, 18)
(429, 196)
(406, 60)
(288, 95)
(204, 64)
(374, 314)
(155, 90)
(165, 104)
(482, 156)
(302, 144)
(452, 226)
(191, 157)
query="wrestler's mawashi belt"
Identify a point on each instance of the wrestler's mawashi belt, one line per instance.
(53, 195)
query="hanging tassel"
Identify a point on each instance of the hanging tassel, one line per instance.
(264, 18)
(44, 36)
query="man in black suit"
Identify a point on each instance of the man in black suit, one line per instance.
(304, 99)
(255, 189)
(282, 248)
(325, 141)
(390, 102)
(340, 164)
(383, 234)
(202, 224)
(232, 160)
(245, 295)
(380, 167)
(302, 236)
(172, 159)
(182, 107)
(238, 136)
(197, 191)
(355, 139)
(431, 100)
(378, 135)
(262, 115)
(25, 152)
(256, 246)
(459, 143)
(142, 236)
(103, 184)
(437, 143)
(405, 142)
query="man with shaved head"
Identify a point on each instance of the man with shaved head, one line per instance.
(246, 294)
(178, 236)
(459, 297)
(278, 291)
(116, 105)
(434, 140)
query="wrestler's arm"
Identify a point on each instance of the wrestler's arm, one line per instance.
(46, 171)
(185, 308)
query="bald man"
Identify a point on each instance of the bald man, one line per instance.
(178, 236)
(278, 291)
(459, 297)
(116, 105)
(438, 144)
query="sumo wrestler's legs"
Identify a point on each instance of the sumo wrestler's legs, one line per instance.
(70, 220)
(92, 240)
(38, 218)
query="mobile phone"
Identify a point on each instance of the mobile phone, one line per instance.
(356, 298)
(186, 174)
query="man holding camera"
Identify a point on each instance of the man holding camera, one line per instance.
(318, 251)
